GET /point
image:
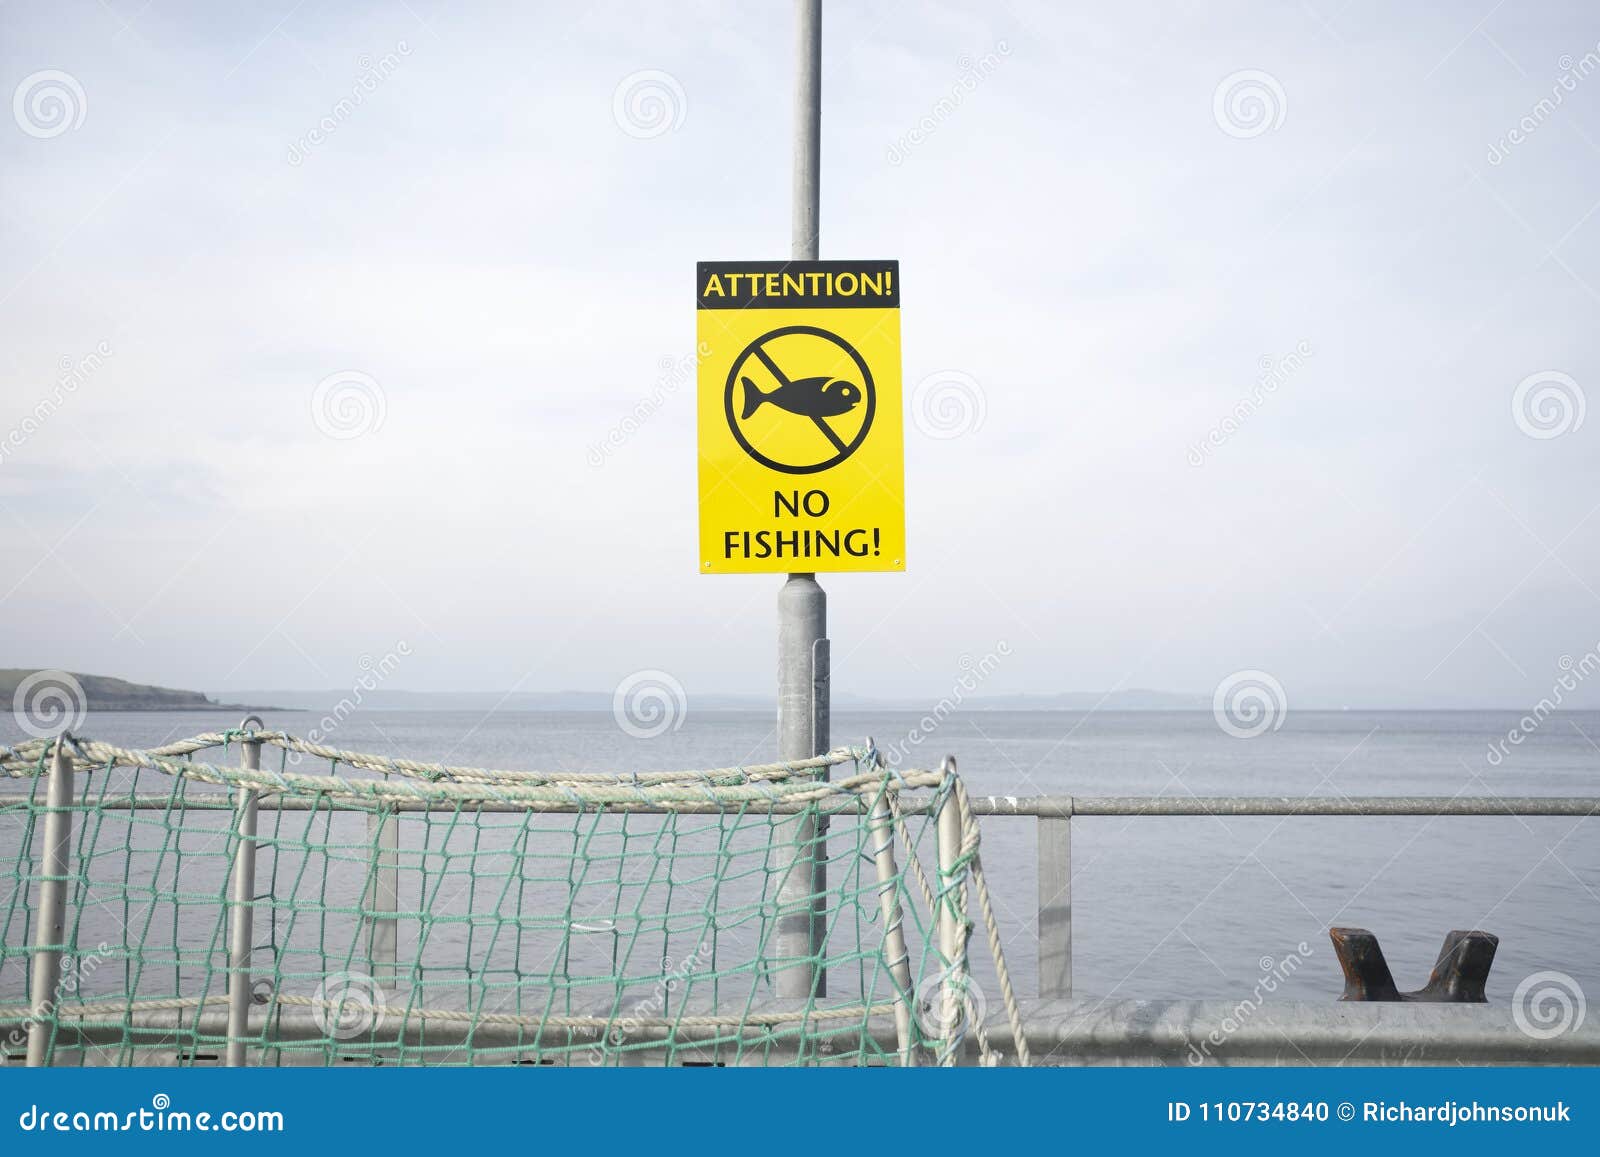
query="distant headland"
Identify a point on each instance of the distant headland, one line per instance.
(104, 693)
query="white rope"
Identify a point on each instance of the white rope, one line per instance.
(761, 784)
(1008, 995)
(18, 1014)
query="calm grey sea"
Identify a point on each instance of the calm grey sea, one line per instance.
(1166, 907)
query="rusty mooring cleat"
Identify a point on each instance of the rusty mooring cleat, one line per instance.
(1458, 977)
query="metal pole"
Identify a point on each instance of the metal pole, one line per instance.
(894, 933)
(803, 674)
(1143, 1032)
(951, 947)
(383, 826)
(241, 937)
(808, 130)
(1055, 907)
(802, 733)
(50, 935)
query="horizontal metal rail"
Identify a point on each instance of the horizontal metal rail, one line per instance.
(1077, 1032)
(1285, 805)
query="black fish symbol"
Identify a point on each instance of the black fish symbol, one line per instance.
(822, 397)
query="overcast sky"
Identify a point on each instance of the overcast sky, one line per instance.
(475, 228)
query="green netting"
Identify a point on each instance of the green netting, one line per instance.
(409, 913)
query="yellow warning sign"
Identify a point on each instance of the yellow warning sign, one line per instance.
(802, 451)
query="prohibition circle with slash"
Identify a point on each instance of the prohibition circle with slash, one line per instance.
(816, 397)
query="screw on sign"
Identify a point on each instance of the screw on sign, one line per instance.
(800, 422)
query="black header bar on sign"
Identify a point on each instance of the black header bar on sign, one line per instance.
(797, 285)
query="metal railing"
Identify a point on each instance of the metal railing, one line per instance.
(1055, 1023)
(1055, 813)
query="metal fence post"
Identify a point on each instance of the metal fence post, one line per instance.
(50, 935)
(241, 937)
(1055, 907)
(383, 826)
(952, 935)
(894, 934)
